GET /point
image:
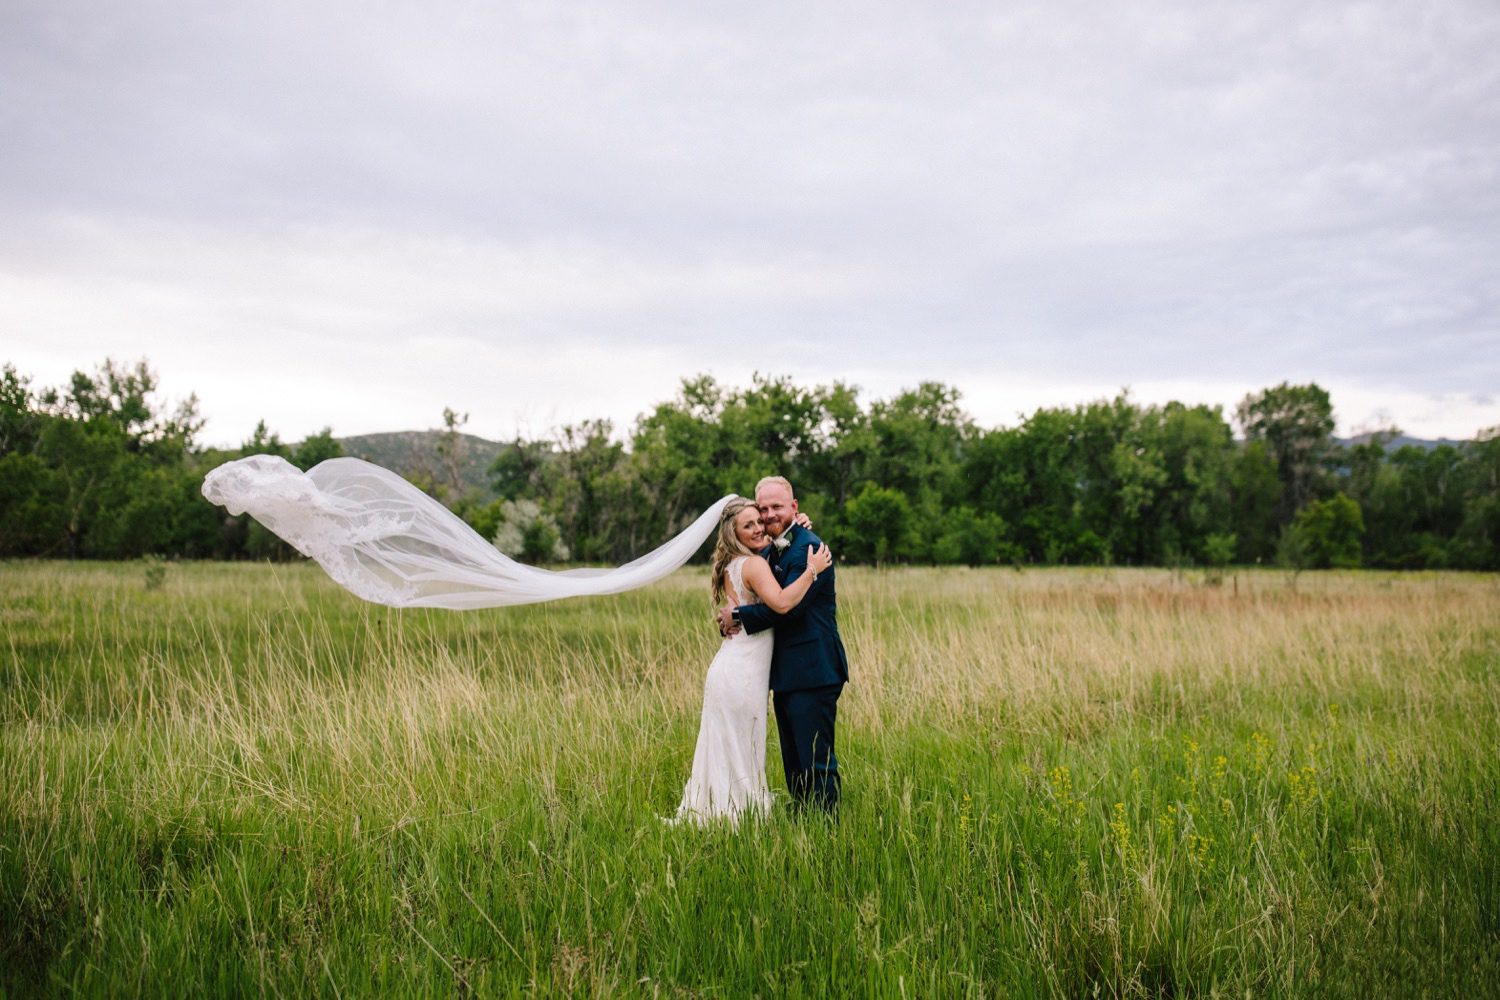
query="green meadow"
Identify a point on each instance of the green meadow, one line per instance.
(237, 780)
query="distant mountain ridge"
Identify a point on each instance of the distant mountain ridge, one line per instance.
(1399, 441)
(416, 454)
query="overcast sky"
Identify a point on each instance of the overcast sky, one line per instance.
(355, 214)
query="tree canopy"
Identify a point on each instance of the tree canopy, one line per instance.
(104, 468)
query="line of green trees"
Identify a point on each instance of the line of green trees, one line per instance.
(101, 469)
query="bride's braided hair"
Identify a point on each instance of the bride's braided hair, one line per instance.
(728, 546)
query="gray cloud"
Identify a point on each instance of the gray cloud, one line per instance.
(1048, 197)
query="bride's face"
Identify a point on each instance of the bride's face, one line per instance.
(748, 530)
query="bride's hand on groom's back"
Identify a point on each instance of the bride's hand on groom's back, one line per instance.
(819, 558)
(802, 521)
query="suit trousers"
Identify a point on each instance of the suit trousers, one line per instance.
(804, 720)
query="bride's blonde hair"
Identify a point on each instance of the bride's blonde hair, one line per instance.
(728, 546)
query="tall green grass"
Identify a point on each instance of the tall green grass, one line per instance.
(1057, 783)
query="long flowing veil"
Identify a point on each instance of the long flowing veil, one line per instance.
(386, 541)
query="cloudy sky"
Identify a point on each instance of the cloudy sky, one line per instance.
(355, 214)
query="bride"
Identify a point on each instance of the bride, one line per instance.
(729, 763)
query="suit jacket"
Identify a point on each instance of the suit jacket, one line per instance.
(808, 651)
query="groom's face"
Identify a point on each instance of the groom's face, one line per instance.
(777, 508)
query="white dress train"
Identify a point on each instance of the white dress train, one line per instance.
(729, 763)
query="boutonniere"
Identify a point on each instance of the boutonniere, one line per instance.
(781, 542)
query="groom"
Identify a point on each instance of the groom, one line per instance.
(808, 665)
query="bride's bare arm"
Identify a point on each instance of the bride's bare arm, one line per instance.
(781, 600)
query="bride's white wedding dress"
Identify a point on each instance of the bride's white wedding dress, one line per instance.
(729, 764)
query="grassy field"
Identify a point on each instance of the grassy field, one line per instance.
(1057, 783)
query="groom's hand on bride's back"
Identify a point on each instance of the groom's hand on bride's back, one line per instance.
(728, 625)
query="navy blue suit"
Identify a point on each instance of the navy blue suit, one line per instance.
(808, 671)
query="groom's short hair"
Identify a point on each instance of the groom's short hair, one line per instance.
(775, 481)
